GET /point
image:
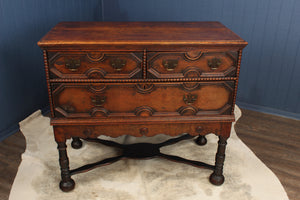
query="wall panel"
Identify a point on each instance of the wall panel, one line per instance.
(22, 76)
(270, 73)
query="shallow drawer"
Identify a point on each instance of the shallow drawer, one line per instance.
(158, 99)
(95, 65)
(138, 130)
(192, 64)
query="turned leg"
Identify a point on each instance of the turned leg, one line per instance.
(217, 177)
(201, 140)
(66, 183)
(76, 143)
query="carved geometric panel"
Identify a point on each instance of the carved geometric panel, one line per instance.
(95, 65)
(201, 63)
(162, 99)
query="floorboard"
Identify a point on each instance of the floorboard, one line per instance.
(11, 150)
(275, 140)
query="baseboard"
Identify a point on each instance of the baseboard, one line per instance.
(45, 110)
(268, 110)
(9, 131)
(15, 127)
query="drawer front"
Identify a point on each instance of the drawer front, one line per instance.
(95, 65)
(192, 64)
(138, 130)
(158, 99)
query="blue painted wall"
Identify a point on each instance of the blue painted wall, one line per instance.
(22, 75)
(270, 73)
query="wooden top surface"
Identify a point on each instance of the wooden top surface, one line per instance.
(140, 33)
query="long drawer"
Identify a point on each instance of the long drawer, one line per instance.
(80, 100)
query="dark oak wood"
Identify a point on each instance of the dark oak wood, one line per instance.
(217, 177)
(201, 140)
(67, 183)
(76, 143)
(141, 79)
(140, 151)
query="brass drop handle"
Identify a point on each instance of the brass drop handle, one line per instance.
(170, 65)
(214, 63)
(189, 98)
(68, 108)
(72, 64)
(98, 100)
(117, 63)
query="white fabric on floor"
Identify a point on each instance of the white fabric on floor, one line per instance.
(246, 177)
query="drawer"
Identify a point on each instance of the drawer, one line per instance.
(77, 100)
(192, 64)
(138, 130)
(95, 65)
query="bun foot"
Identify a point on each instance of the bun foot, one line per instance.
(67, 186)
(201, 140)
(216, 179)
(76, 143)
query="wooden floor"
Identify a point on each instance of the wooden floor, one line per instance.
(10, 157)
(275, 140)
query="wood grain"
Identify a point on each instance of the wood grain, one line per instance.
(118, 98)
(10, 157)
(95, 64)
(139, 33)
(137, 130)
(276, 141)
(192, 65)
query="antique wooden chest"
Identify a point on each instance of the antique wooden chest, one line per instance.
(141, 79)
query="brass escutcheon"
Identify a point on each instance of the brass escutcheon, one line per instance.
(72, 64)
(68, 108)
(117, 63)
(189, 98)
(214, 63)
(170, 65)
(98, 100)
